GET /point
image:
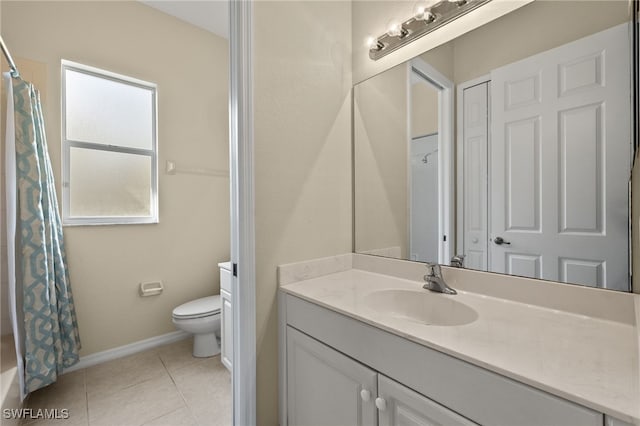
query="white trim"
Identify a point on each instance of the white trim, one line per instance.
(242, 212)
(126, 350)
(446, 163)
(460, 156)
(409, 171)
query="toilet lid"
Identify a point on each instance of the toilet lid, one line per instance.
(198, 308)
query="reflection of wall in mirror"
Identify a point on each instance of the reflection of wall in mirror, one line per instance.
(381, 137)
(519, 35)
(424, 108)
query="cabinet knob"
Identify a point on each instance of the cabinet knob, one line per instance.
(381, 404)
(365, 395)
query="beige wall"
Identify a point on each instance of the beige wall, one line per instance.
(108, 262)
(302, 105)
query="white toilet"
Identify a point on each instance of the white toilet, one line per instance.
(201, 317)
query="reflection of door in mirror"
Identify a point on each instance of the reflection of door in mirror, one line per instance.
(559, 155)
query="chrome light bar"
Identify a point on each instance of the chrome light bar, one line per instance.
(426, 20)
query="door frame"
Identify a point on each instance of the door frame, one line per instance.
(446, 163)
(460, 156)
(241, 150)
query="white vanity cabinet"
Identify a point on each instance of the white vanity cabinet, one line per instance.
(328, 359)
(399, 405)
(326, 387)
(226, 316)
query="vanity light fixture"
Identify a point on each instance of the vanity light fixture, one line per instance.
(426, 19)
(396, 29)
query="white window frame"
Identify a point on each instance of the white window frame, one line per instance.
(67, 144)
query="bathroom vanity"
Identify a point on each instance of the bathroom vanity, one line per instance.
(226, 311)
(361, 342)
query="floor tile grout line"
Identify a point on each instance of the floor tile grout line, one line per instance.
(184, 400)
(112, 390)
(162, 415)
(86, 394)
(173, 366)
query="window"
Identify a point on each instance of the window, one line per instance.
(109, 148)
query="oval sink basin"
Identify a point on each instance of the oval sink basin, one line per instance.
(422, 307)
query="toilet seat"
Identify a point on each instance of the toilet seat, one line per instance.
(199, 308)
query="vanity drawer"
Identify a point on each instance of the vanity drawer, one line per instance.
(478, 394)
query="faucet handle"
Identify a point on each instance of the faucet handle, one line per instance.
(433, 270)
(457, 261)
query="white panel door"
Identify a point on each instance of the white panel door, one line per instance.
(424, 239)
(560, 155)
(325, 387)
(475, 122)
(401, 406)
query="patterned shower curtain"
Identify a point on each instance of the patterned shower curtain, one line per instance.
(49, 332)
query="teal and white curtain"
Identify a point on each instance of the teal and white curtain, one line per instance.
(43, 313)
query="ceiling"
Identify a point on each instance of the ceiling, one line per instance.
(211, 15)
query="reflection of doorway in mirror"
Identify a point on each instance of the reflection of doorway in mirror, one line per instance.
(424, 198)
(429, 163)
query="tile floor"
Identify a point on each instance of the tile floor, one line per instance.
(165, 386)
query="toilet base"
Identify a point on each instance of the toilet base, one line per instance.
(205, 345)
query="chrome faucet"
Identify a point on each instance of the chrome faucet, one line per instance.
(434, 280)
(457, 261)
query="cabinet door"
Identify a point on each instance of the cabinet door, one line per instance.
(401, 406)
(325, 387)
(226, 327)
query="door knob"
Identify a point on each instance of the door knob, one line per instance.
(365, 395)
(381, 404)
(499, 241)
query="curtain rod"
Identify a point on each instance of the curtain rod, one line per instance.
(12, 65)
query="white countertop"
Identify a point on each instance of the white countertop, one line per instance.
(591, 361)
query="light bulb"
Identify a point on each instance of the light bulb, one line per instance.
(394, 29)
(422, 11)
(424, 14)
(374, 44)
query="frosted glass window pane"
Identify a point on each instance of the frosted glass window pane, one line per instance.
(108, 112)
(105, 183)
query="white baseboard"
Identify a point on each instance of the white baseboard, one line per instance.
(126, 350)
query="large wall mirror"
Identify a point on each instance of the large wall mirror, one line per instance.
(510, 145)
